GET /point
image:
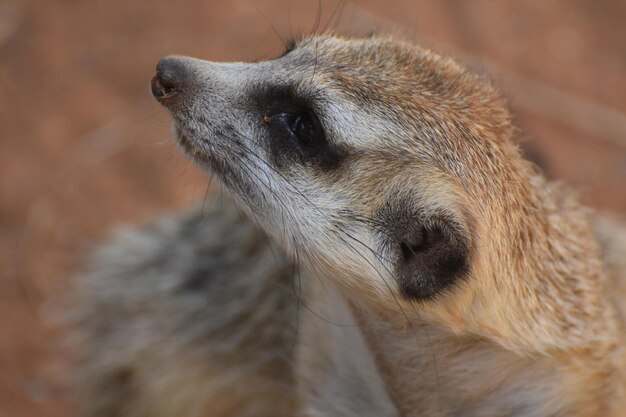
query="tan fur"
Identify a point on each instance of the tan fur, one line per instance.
(533, 331)
(535, 326)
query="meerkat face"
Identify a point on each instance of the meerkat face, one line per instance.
(351, 153)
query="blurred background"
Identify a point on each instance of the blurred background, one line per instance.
(85, 148)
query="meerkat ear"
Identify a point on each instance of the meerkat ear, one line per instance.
(432, 258)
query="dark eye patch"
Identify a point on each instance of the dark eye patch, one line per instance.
(294, 131)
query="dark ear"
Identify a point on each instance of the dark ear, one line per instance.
(432, 256)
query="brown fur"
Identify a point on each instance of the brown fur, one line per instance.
(531, 328)
(533, 325)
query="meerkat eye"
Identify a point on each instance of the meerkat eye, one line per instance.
(295, 133)
(303, 127)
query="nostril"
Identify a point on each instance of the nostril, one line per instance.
(169, 73)
(171, 77)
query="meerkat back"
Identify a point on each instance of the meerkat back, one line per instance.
(192, 316)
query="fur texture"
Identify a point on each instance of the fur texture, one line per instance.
(463, 282)
(194, 316)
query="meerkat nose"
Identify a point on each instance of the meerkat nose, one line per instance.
(171, 77)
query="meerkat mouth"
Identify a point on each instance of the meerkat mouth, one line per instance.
(210, 159)
(191, 148)
(186, 144)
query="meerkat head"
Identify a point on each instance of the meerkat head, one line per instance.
(380, 163)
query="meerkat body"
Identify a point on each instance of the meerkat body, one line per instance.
(194, 316)
(446, 277)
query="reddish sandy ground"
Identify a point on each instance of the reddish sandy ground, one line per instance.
(85, 148)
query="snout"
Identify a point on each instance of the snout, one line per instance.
(173, 78)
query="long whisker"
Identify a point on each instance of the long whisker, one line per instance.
(378, 256)
(297, 263)
(249, 153)
(278, 35)
(333, 20)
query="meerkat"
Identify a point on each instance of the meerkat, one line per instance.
(445, 275)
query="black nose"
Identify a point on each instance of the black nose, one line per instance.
(171, 77)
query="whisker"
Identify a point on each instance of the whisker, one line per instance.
(206, 194)
(248, 153)
(378, 256)
(335, 15)
(282, 40)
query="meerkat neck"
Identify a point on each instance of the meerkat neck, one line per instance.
(549, 257)
(529, 343)
(431, 369)
(537, 283)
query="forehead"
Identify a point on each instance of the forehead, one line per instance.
(373, 59)
(382, 71)
(357, 55)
